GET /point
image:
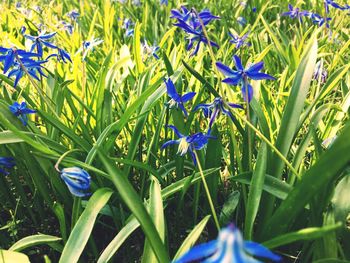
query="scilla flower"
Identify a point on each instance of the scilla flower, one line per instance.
(21, 111)
(295, 13)
(189, 143)
(241, 76)
(229, 247)
(213, 110)
(77, 180)
(320, 73)
(88, 46)
(239, 41)
(6, 163)
(40, 40)
(176, 99)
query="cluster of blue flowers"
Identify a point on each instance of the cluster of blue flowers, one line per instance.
(6, 163)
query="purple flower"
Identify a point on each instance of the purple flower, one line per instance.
(295, 13)
(229, 247)
(176, 99)
(320, 73)
(241, 75)
(212, 110)
(21, 111)
(239, 41)
(74, 14)
(241, 20)
(6, 163)
(319, 20)
(328, 3)
(189, 143)
(77, 180)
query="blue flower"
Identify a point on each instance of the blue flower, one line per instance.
(61, 55)
(319, 20)
(128, 26)
(88, 46)
(33, 67)
(328, 3)
(241, 75)
(320, 73)
(6, 163)
(176, 99)
(40, 40)
(23, 30)
(254, 9)
(74, 14)
(11, 56)
(229, 247)
(189, 143)
(213, 110)
(77, 180)
(164, 2)
(239, 41)
(68, 27)
(241, 20)
(150, 50)
(21, 111)
(295, 13)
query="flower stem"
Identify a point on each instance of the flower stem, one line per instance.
(62, 157)
(211, 204)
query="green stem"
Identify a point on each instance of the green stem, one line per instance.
(211, 204)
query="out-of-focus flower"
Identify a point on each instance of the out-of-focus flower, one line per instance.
(150, 50)
(320, 73)
(295, 13)
(319, 20)
(328, 3)
(136, 2)
(67, 27)
(254, 9)
(239, 41)
(176, 99)
(40, 40)
(88, 46)
(241, 20)
(77, 180)
(6, 163)
(189, 143)
(241, 75)
(229, 247)
(212, 110)
(74, 14)
(164, 2)
(21, 111)
(23, 30)
(128, 26)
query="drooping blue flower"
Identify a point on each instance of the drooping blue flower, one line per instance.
(61, 55)
(77, 180)
(74, 14)
(190, 22)
(12, 54)
(176, 99)
(295, 13)
(6, 163)
(150, 50)
(88, 46)
(328, 3)
(212, 110)
(319, 20)
(21, 111)
(40, 40)
(241, 20)
(320, 73)
(68, 27)
(229, 247)
(189, 143)
(239, 41)
(241, 75)
(128, 25)
(33, 67)
(164, 2)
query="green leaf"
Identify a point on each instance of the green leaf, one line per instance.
(7, 256)
(192, 237)
(7, 137)
(310, 233)
(82, 229)
(229, 208)
(34, 240)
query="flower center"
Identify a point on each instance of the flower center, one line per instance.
(172, 103)
(183, 146)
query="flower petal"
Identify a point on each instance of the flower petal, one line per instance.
(227, 71)
(198, 252)
(258, 250)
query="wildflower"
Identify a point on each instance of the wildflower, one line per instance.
(128, 26)
(6, 163)
(319, 20)
(12, 55)
(242, 21)
(73, 15)
(21, 111)
(328, 3)
(320, 73)
(23, 30)
(189, 143)
(164, 2)
(254, 9)
(241, 75)
(213, 110)
(176, 99)
(32, 67)
(229, 247)
(40, 40)
(61, 55)
(88, 46)
(239, 41)
(77, 180)
(295, 13)
(67, 26)
(150, 50)
(136, 2)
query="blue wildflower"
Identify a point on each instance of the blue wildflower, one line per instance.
(319, 20)
(164, 2)
(239, 41)
(88, 46)
(128, 26)
(182, 14)
(21, 111)
(189, 143)
(328, 3)
(241, 20)
(229, 247)
(176, 99)
(254, 9)
(295, 13)
(77, 180)
(320, 73)
(6, 163)
(33, 67)
(22, 30)
(150, 50)
(68, 27)
(40, 40)
(74, 14)
(12, 55)
(213, 110)
(61, 55)
(241, 75)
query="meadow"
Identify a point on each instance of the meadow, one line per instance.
(167, 131)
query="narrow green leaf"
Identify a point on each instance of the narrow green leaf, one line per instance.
(34, 240)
